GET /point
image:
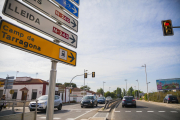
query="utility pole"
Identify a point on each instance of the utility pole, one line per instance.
(146, 80)
(103, 87)
(138, 89)
(126, 86)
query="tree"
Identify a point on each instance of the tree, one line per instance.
(100, 91)
(118, 92)
(130, 91)
(107, 94)
(113, 95)
(85, 87)
(68, 85)
(115, 91)
(124, 92)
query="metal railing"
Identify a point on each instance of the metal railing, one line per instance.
(111, 103)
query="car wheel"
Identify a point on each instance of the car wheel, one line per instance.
(135, 106)
(45, 109)
(81, 106)
(60, 107)
(0, 108)
(96, 104)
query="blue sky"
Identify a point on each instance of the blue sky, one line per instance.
(115, 38)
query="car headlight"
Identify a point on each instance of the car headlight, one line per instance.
(42, 103)
(82, 101)
(90, 101)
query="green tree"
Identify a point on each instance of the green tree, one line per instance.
(124, 92)
(85, 87)
(118, 92)
(130, 91)
(68, 85)
(107, 94)
(115, 91)
(100, 91)
(113, 95)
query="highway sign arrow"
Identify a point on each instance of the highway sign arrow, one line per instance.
(55, 12)
(77, 2)
(72, 57)
(73, 39)
(70, 7)
(23, 14)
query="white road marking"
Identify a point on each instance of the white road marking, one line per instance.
(174, 111)
(127, 111)
(38, 115)
(138, 111)
(84, 114)
(116, 111)
(107, 115)
(43, 117)
(161, 111)
(56, 118)
(150, 111)
(70, 119)
(95, 114)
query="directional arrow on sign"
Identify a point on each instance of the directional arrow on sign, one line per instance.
(73, 39)
(72, 57)
(74, 24)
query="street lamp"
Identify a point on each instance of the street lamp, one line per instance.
(126, 86)
(138, 88)
(36, 75)
(146, 76)
(17, 73)
(103, 87)
(147, 90)
(135, 92)
(109, 89)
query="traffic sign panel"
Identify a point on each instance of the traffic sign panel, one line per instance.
(23, 14)
(24, 40)
(8, 87)
(55, 12)
(70, 7)
(77, 2)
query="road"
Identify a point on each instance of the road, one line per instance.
(145, 111)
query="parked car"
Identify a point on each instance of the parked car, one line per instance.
(101, 100)
(108, 98)
(170, 98)
(128, 101)
(42, 103)
(89, 100)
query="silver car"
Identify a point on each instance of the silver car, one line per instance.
(42, 103)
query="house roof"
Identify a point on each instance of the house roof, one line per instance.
(76, 89)
(31, 81)
(24, 89)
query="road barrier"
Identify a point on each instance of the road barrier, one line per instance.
(111, 103)
(12, 115)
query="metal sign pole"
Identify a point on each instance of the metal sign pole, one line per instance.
(51, 93)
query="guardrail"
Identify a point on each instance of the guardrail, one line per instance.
(17, 115)
(111, 103)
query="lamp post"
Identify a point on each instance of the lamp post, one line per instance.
(138, 88)
(109, 89)
(126, 86)
(103, 87)
(17, 73)
(135, 92)
(146, 77)
(147, 90)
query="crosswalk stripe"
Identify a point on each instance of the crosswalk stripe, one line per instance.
(138, 111)
(174, 111)
(127, 111)
(161, 111)
(150, 111)
(116, 111)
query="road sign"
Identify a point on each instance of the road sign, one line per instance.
(24, 40)
(11, 91)
(55, 12)
(77, 2)
(1, 84)
(9, 78)
(8, 87)
(61, 86)
(23, 14)
(9, 82)
(70, 7)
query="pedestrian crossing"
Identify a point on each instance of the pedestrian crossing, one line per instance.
(147, 111)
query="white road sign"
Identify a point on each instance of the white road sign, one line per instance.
(54, 12)
(23, 14)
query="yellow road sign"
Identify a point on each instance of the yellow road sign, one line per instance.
(24, 40)
(1, 84)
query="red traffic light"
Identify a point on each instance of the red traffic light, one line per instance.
(166, 24)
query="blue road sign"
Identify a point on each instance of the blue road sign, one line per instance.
(70, 7)
(76, 1)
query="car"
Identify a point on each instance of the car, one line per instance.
(108, 98)
(128, 101)
(101, 100)
(89, 101)
(170, 98)
(42, 103)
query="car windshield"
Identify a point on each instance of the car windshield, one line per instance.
(43, 98)
(88, 97)
(101, 98)
(128, 98)
(173, 97)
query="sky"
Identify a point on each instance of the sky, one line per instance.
(115, 38)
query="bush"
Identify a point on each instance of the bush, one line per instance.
(145, 97)
(140, 99)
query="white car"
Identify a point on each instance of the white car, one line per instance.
(42, 103)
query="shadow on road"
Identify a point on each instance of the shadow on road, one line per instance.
(136, 107)
(55, 111)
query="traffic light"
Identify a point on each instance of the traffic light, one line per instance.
(85, 75)
(93, 74)
(167, 28)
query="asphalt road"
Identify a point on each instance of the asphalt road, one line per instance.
(145, 111)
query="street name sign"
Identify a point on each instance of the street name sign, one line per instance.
(23, 14)
(70, 7)
(22, 39)
(54, 12)
(8, 87)
(77, 2)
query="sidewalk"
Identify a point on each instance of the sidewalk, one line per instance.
(170, 105)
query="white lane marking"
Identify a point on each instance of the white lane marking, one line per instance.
(174, 111)
(161, 111)
(38, 115)
(150, 111)
(43, 117)
(107, 115)
(56, 118)
(70, 119)
(116, 111)
(95, 114)
(138, 111)
(127, 111)
(84, 114)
